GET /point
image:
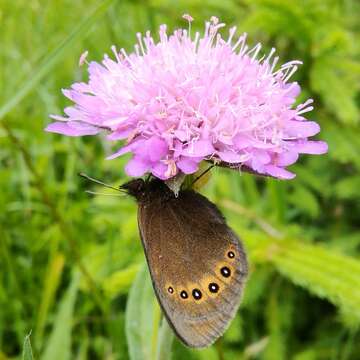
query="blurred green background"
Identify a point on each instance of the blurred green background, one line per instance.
(68, 259)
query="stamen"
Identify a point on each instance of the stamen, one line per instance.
(122, 50)
(304, 108)
(232, 32)
(290, 73)
(255, 50)
(189, 19)
(306, 103)
(241, 41)
(137, 49)
(113, 49)
(138, 35)
(83, 57)
(162, 33)
(196, 41)
(214, 20)
(207, 28)
(275, 61)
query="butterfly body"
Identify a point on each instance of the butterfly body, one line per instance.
(197, 263)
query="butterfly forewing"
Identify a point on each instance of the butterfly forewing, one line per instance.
(197, 263)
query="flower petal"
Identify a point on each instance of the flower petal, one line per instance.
(200, 148)
(72, 128)
(137, 167)
(311, 147)
(127, 148)
(188, 165)
(301, 129)
(159, 170)
(231, 157)
(278, 172)
(286, 158)
(156, 148)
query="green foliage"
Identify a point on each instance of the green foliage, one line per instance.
(27, 351)
(59, 342)
(142, 318)
(71, 264)
(321, 271)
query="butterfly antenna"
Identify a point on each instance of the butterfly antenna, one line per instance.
(103, 194)
(87, 177)
(202, 174)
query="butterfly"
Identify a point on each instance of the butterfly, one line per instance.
(197, 263)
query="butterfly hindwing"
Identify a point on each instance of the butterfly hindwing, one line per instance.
(197, 264)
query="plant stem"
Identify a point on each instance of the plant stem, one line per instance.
(166, 337)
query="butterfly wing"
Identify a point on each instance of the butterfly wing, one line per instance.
(197, 265)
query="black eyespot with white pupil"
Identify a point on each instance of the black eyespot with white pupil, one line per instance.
(225, 271)
(170, 290)
(231, 254)
(196, 293)
(184, 294)
(213, 287)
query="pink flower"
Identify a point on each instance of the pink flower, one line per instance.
(188, 98)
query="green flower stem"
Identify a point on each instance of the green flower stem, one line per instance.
(166, 338)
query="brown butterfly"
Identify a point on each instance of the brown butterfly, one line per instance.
(197, 264)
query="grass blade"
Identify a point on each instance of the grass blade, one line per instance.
(166, 338)
(50, 61)
(142, 318)
(59, 343)
(27, 351)
(51, 284)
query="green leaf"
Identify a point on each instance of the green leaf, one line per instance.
(320, 270)
(27, 351)
(323, 272)
(166, 337)
(343, 141)
(51, 284)
(305, 200)
(59, 342)
(337, 86)
(142, 318)
(348, 188)
(120, 281)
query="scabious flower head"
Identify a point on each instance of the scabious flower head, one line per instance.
(188, 98)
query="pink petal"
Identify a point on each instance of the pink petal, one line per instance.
(311, 147)
(120, 134)
(259, 159)
(181, 135)
(127, 148)
(200, 148)
(286, 158)
(242, 141)
(301, 129)
(230, 156)
(187, 165)
(278, 172)
(137, 167)
(293, 89)
(159, 170)
(72, 128)
(156, 148)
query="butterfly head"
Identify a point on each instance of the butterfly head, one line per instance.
(147, 190)
(135, 188)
